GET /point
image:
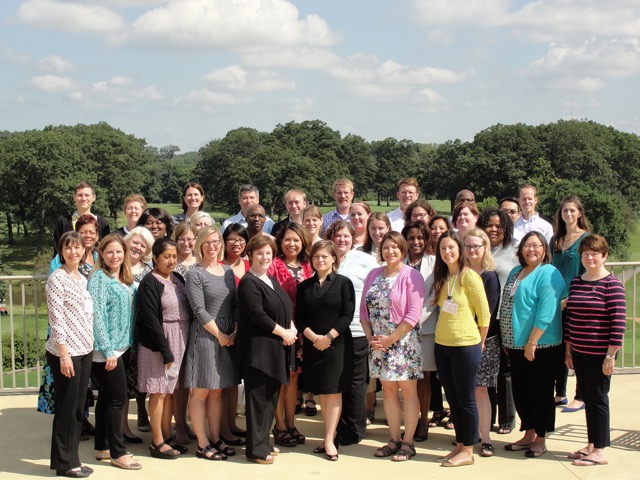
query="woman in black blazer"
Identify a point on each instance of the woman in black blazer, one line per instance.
(325, 305)
(265, 337)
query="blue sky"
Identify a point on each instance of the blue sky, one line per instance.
(185, 72)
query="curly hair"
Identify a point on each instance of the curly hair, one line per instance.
(505, 223)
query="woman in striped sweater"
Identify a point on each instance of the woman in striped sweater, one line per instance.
(593, 334)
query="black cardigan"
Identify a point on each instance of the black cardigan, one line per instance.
(65, 224)
(149, 318)
(261, 308)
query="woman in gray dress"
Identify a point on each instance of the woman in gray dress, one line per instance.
(210, 363)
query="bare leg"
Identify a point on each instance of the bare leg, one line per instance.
(484, 413)
(197, 412)
(393, 408)
(126, 430)
(157, 407)
(411, 408)
(280, 424)
(214, 413)
(331, 406)
(291, 396)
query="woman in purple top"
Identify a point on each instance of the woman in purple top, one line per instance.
(390, 311)
(596, 316)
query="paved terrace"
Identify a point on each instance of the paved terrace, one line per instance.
(25, 436)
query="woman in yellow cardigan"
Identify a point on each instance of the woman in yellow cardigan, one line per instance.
(460, 334)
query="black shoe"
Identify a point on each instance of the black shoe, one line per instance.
(87, 427)
(86, 469)
(133, 439)
(73, 473)
(84, 437)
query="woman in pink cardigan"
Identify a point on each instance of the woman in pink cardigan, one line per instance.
(390, 309)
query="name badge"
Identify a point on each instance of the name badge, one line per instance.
(450, 306)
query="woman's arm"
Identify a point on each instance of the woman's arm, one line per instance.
(98, 290)
(195, 293)
(57, 312)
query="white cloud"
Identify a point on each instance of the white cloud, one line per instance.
(303, 58)
(240, 25)
(586, 66)
(6, 53)
(207, 96)
(235, 77)
(393, 72)
(487, 13)
(52, 83)
(68, 17)
(55, 63)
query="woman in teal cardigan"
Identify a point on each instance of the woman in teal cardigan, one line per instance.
(113, 293)
(531, 328)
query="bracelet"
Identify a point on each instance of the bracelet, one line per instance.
(533, 344)
(610, 357)
(329, 336)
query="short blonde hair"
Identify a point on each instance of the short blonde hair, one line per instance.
(342, 182)
(203, 234)
(141, 231)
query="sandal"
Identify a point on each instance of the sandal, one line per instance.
(449, 425)
(238, 442)
(505, 429)
(310, 411)
(389, 449)
(487, 450)
(284, 438)
(171, 441)
(298, 406)
(166, 454)
(438, 417)
(209, 453)
(371, 416)
(268, 460)
(300, 438)
(404, 454)
(223, 448)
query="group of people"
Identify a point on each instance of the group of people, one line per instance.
(333, 305)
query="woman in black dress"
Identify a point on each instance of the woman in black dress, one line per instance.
(265, 337)
(324, 309)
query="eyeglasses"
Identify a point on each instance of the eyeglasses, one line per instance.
(212, 243)
(534, 246)
(474, 248)
(186, 240)
(234, 241)
(509, 211)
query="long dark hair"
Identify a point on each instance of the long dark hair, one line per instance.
(303, 256)
(160, 214)
(441, 270)
(368, 243)
(560, 229)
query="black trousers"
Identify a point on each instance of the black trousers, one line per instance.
(595, 387)
(457, 369)
(261, 398)
(502, 396)
(436, 403)
(71, 394)
(532, 383)
(112, 393)
(352, 424)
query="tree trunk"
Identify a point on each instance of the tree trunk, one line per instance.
(10, 229)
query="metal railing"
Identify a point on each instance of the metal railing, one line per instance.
(23, 328)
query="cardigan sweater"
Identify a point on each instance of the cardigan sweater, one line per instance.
(113, 311)
(149, 319)
(407, 296)
(461, 329)
(536, 304)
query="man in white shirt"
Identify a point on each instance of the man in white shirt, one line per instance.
(295, 201)
(529, 220)
(343, 195)
(247, 195)
(408, 192)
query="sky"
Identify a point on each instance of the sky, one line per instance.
(185, 72)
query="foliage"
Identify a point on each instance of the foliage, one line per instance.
(31, 358)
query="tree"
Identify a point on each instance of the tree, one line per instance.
(355, 153)
(394, 160)
(605, 211)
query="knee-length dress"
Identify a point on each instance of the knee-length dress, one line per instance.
(321, 308)
(152, 376)
(403, 359)
(212, 298)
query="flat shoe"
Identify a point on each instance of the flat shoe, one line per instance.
(239, 433)
(331, 458)
(404, 454)
(86, 469)
(215, 455)
(468, 461)
(533, 454)
(572, 409)
(310, 411)
(131, 466)
(80, 473)
(564, 401)
(587, 462)
(515, 447)
(387, 450)
(133, 439)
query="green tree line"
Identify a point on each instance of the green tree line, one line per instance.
(38, 169)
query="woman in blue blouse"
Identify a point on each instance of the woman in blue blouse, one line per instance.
(570, 228)
(531, 328)
(111, 288)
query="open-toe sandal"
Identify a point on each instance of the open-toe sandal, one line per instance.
(310, 408)
(300, 438)
(210, 453)
(284, 438)
(223, 448)
(389, 449)
(487, 450)
(173, 443)
(169, 454)
(406, 451)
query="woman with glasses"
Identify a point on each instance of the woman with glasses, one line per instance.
(531, 331)
(479, 258)
(419, 209)
(235, 238)
(185, 237)
(210, 358)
